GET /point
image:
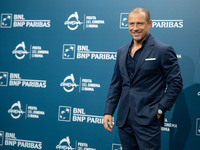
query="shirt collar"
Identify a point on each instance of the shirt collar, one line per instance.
(143, 43)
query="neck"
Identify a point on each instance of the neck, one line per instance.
(137, 44)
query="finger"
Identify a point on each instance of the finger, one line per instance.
(110, 123)
(106, 126)
(108, 129)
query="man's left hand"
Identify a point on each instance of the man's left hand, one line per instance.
(158, 115)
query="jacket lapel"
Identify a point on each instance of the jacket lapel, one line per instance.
(145, 53)
(123, 62)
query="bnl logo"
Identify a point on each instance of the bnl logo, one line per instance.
(123, 21)
(68, 51)
(116, 146)
(1, 138)
(3, 78)
(6, 20)
(64, 113)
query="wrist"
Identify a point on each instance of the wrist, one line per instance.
(160, 112)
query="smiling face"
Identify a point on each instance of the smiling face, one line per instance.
(138, 26)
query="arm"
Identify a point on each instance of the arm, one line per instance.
(172, 77)
(114, 94)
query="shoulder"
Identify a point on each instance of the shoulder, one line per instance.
(166, 51)
(160, 45)
(163, 50)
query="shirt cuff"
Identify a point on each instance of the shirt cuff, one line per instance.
(107, 114)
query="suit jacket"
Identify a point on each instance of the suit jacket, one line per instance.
(156, 69)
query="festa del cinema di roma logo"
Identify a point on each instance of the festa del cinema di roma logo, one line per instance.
(20, 51)
(35, 51)
(69, 84)
(16, 110)
(31, 111)
(73, 22)
(64, 144)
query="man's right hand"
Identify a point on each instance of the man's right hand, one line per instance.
(108, 120)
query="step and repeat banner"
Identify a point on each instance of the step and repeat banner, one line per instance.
(56, 62)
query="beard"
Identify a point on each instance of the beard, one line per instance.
(141, 38)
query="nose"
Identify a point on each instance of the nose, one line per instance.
(134, 27)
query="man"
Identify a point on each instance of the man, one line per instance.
(143, 70)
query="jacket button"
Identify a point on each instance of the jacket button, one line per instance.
(131, 86)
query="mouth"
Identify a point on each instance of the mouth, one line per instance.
(136, 33)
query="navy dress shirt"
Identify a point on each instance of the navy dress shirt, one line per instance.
(131, 62)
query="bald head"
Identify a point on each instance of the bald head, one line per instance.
(141, 9)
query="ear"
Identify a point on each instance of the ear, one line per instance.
(150, 23)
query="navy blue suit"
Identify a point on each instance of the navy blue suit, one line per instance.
(156, 69)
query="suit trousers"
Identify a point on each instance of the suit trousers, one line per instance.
(134, 136)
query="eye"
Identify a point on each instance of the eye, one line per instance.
(140, 23)
(131, 24)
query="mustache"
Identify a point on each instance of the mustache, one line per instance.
(137, 31)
